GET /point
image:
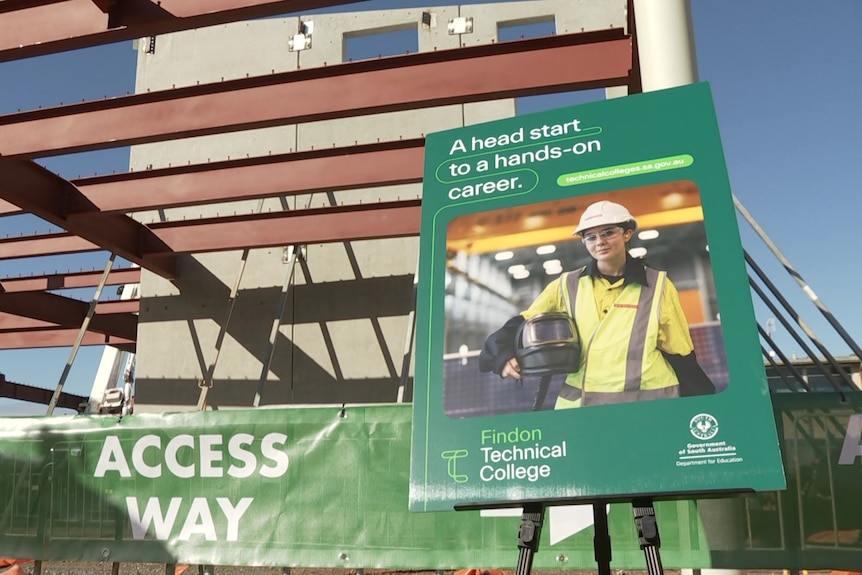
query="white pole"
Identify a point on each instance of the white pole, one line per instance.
(665, 43)
(666, 51)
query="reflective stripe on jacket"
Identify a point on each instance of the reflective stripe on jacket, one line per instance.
(620, 360)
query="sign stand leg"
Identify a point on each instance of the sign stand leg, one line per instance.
(648, 536)
(528, 536)
(601, 538)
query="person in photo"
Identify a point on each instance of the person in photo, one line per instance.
(634, 337)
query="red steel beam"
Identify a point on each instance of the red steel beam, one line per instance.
(357, 167)
(35, 27)
(10, 321)
(70, 280)
(7, 208)
(343, 223)
(105, 6)
(13, 5)
(33, 394)
(507, 69)
(118, 307)
(44, 245)
(324, 225)
(60, 337)
(331, 169)
(38, 191)
(68, 312)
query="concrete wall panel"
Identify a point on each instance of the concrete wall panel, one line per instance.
(329, 31)
(377, 128)
(315, 340)
(575, 16)
(359, 337)
(389, 257)
(214, 148)
(570, 16)
(488, 111)
(327, 263)
(181, 339)
(216, 53)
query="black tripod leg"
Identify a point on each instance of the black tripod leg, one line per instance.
(528, 537)
(648, 535)
(602, 538)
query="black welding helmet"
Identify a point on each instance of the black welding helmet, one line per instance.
(548, 343)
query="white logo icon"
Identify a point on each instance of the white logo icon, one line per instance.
(703, 426)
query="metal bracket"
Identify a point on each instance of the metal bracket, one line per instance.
(288, 253)
(302, 40)
(429, 19)
(299, 42)
(461, 25)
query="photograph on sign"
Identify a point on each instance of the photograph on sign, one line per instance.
(584, 323)
(528, 347)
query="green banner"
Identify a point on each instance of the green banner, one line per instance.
(634, 417)
(817, 522)
(318, 487)
(308, 487)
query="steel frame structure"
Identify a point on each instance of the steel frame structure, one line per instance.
(93, 211)
(36, 27)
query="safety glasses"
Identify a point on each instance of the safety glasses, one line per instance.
(607, 233)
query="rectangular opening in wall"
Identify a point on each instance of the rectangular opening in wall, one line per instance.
(530, 104)
(538, 27)
(535, 27)
(379, 42)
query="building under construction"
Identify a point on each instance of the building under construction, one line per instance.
(263, 243)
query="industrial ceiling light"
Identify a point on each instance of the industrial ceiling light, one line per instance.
(553, 270)
(517, 269)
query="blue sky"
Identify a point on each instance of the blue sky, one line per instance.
(786, 78)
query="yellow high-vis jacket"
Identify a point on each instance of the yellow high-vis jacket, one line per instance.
(624, 327)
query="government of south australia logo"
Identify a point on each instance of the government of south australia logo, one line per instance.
(703, 426)
(452, 456)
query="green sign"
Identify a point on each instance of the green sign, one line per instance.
(668, 397)
(315, 487)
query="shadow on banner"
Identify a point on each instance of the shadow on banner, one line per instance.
(817, 522)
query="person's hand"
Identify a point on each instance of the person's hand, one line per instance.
(512, 369)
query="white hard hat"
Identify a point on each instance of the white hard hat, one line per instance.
(604, 213)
